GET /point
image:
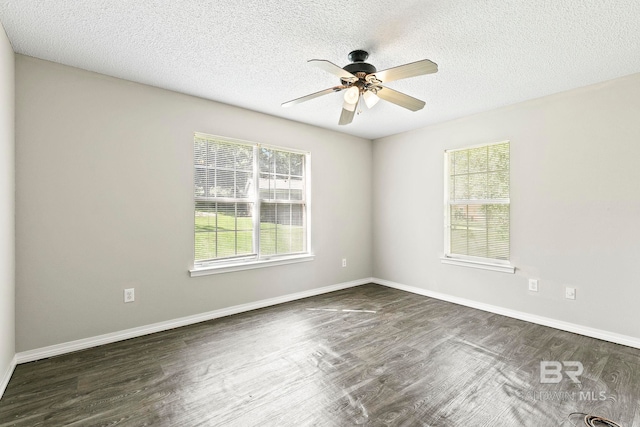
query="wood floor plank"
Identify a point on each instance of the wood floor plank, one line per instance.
(368, 355)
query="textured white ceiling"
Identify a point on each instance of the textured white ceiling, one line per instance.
(253, 53)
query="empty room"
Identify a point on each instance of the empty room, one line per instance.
(299, 213)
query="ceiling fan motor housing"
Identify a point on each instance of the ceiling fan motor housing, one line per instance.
(357, 57)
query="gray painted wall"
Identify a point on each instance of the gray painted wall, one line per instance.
(104, 203)
(7, 205)
(104, 184)
(575, 205)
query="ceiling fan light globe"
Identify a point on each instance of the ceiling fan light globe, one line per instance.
(352, 95)
(370, 99)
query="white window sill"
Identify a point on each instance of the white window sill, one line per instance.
(483, 265)
(248, 265)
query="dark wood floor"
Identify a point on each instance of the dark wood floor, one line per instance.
(402, 359)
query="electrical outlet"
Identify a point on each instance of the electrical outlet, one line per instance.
(129, 295)
(570, 293)
(533, 285)
(344, 262)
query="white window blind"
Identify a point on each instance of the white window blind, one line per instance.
(282, 202)
(235, 219)
(478, 201)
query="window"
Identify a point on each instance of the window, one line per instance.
(477, 204)
(251, 202)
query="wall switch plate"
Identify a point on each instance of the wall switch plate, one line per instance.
(344, 262)
(129, 295)
(570, 293)
(533, 285)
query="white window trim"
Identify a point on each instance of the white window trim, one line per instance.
(463, 260)
(226, 267)
(481, 263)
(252, 261)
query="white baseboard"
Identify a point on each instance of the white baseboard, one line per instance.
(81, 344)
(71, 346)
(6, 376)
(540, 320)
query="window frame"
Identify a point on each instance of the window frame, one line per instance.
(493, 264)
(255, 260)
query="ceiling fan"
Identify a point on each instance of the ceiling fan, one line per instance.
(362, 81)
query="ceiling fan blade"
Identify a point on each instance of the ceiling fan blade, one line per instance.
(332, 68)
(348, 112)
(313, 95)
(407, 70)
(399, 98)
